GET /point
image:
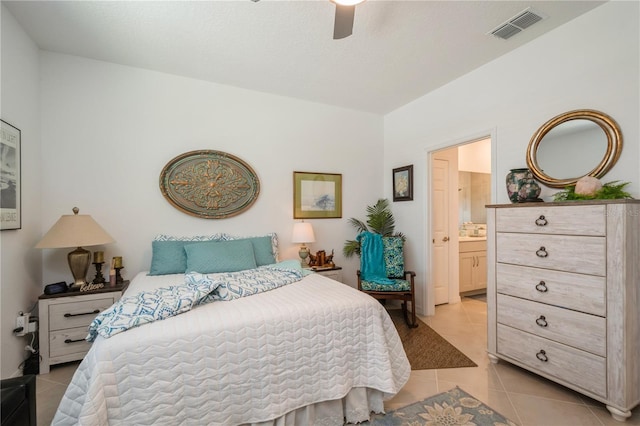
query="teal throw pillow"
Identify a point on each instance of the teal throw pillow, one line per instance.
(393, 256)
(262, 250)
(168, 257)
(220, 256)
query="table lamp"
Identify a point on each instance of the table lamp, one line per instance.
(76, 231)
(303, 233)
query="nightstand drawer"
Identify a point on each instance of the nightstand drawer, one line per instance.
(66, 342)
(76, 313)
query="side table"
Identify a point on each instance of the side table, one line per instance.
(334, 273)
(64, 319)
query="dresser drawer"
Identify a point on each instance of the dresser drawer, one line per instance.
(566, 220)
(563, 362)
(585, 293)
(69, 341)
(76, 313)
(585, 255)
(576, 329)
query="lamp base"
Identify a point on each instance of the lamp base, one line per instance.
(303, 253)
(79, 261)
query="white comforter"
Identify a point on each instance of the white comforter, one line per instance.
(242, 361)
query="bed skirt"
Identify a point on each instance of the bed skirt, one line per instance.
(355, 407)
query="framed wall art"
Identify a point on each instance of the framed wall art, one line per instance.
(403, 183)
(209, 184)
(10, 178)
(317, 195)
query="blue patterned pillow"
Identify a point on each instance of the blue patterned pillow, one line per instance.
(393, 256)
(220, 256)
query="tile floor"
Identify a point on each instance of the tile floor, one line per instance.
(525, 398)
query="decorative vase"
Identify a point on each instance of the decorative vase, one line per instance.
(522, 187)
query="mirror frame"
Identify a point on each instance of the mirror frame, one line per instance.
(606, 123)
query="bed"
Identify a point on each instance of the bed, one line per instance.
(314, 351)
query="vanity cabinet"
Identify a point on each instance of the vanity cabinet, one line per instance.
(563, 294)
(473, 265)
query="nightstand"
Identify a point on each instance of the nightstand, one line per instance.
(334, 273)
(64, 320)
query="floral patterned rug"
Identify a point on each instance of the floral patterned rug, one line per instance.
(455, 407)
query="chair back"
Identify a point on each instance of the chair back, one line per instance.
(393, 252)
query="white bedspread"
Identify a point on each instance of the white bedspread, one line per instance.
(243, 361)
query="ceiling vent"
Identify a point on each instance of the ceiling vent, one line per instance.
(518, 23)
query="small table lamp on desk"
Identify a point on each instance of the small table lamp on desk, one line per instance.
(303, 234)
(76, 231)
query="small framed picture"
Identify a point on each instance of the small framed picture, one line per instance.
(403, 183)
(317, 195)
(10, 182)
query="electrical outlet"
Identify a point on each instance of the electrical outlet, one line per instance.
(22, 321)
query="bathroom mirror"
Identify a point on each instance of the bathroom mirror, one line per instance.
(572, 145)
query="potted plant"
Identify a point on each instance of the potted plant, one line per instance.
(379, 221)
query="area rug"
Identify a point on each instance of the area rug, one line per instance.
(455, 407)
(425, 348)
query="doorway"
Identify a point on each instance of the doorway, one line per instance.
(460, 187)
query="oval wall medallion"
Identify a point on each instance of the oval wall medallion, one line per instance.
(209, 184)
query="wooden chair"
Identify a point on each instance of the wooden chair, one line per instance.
(403, 287)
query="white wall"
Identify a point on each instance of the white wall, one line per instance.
(590, 62)
(108, 130)
(475, 157)
(20, 263)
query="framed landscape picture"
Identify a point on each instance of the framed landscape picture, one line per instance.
(10, 182)
(403, 183)
(317, 195)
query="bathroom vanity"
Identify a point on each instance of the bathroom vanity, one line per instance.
(473, 264)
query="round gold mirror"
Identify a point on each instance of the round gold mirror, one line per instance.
(572, 145)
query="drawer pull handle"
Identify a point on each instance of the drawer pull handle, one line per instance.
(95, 311)
(541, 221)
(542, 356)
(542, 252)
(542, 321)
(542, 287)
(73, 341)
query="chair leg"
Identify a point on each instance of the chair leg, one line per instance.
(413, 323)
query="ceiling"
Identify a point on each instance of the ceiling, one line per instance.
(399, 50)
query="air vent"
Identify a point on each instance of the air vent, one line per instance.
(513, 26)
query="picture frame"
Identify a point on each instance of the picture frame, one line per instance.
(317, 195)
(403, 183)
(10, 178)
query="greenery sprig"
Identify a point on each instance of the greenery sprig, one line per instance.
(609, 191)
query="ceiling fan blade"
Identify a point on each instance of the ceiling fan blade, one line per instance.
(343, 26)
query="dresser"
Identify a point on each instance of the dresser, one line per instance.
(64, 319)
(563, 295)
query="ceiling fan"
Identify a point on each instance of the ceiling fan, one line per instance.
(345, 11)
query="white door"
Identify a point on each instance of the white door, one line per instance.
(440, 230)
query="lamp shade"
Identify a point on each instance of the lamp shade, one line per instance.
(75, 230)
(303, 233)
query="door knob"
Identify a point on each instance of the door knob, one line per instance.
(445, 239)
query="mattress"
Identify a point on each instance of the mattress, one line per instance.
(248, 360)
